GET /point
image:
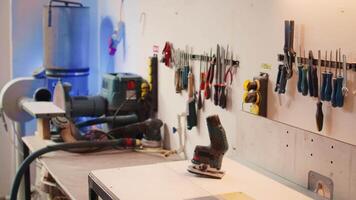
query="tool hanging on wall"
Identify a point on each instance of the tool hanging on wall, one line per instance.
(285, 71)
(218, 69)
(329, 78)
(324, 77)
(304, 83)
(335, 85)
(312, 77)
(119, 35)
(226, 73)
(319, 105)
(345, 90)
(210, 76)
(222, 95)
(191, 109)
(256, 94)
(167, 54)
(300, 70)
(201, 84)
(340, 81)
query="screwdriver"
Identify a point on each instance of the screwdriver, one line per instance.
(333, 94)
(324, 76)
(319, 110)
(304, 84)
(329, 78)
(315, 81)
(339, 82)
(310, 73)
(345, 90)
(300, 70)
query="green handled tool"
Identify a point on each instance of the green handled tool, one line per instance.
(319, 110)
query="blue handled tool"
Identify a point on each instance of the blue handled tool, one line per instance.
(329, 78)
(319, 110)
(324, 77)
(339, 83)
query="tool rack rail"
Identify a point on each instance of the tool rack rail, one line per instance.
(235, 63)
(315, 62)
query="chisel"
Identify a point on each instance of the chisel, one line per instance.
(324, 77)
(335, 86)
(304, 84)
(329, 78)
(319, 110)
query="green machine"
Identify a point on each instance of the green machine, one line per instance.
(122, 91)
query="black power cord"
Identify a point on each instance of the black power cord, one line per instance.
(66, 147)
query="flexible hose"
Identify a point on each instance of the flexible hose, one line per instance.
(119, 120)
(56, 147)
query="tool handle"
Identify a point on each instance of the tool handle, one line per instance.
(278, 82)
(319, 116)
(300, 78)
(216, 94)
(315, 82)
(190, 85)
(310, 81)
(200, 101)
(207, 91)
(304, 84)
(283, 81)
(323, 86)
(339, 95)
(333, 94)
(328, 87)
(222, 102)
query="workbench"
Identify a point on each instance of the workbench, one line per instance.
(70, 170)
(171, 181)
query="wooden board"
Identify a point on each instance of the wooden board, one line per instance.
(71, 170)
(43, 109)
(172, 181)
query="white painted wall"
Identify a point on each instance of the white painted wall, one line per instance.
(6, 153)
(255, 31)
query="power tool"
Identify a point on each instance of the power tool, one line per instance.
(207, 160)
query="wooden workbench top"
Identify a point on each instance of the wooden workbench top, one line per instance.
(70, 170)
(172, 181)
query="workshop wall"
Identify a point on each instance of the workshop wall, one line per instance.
(6, 155)
(255, 31)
